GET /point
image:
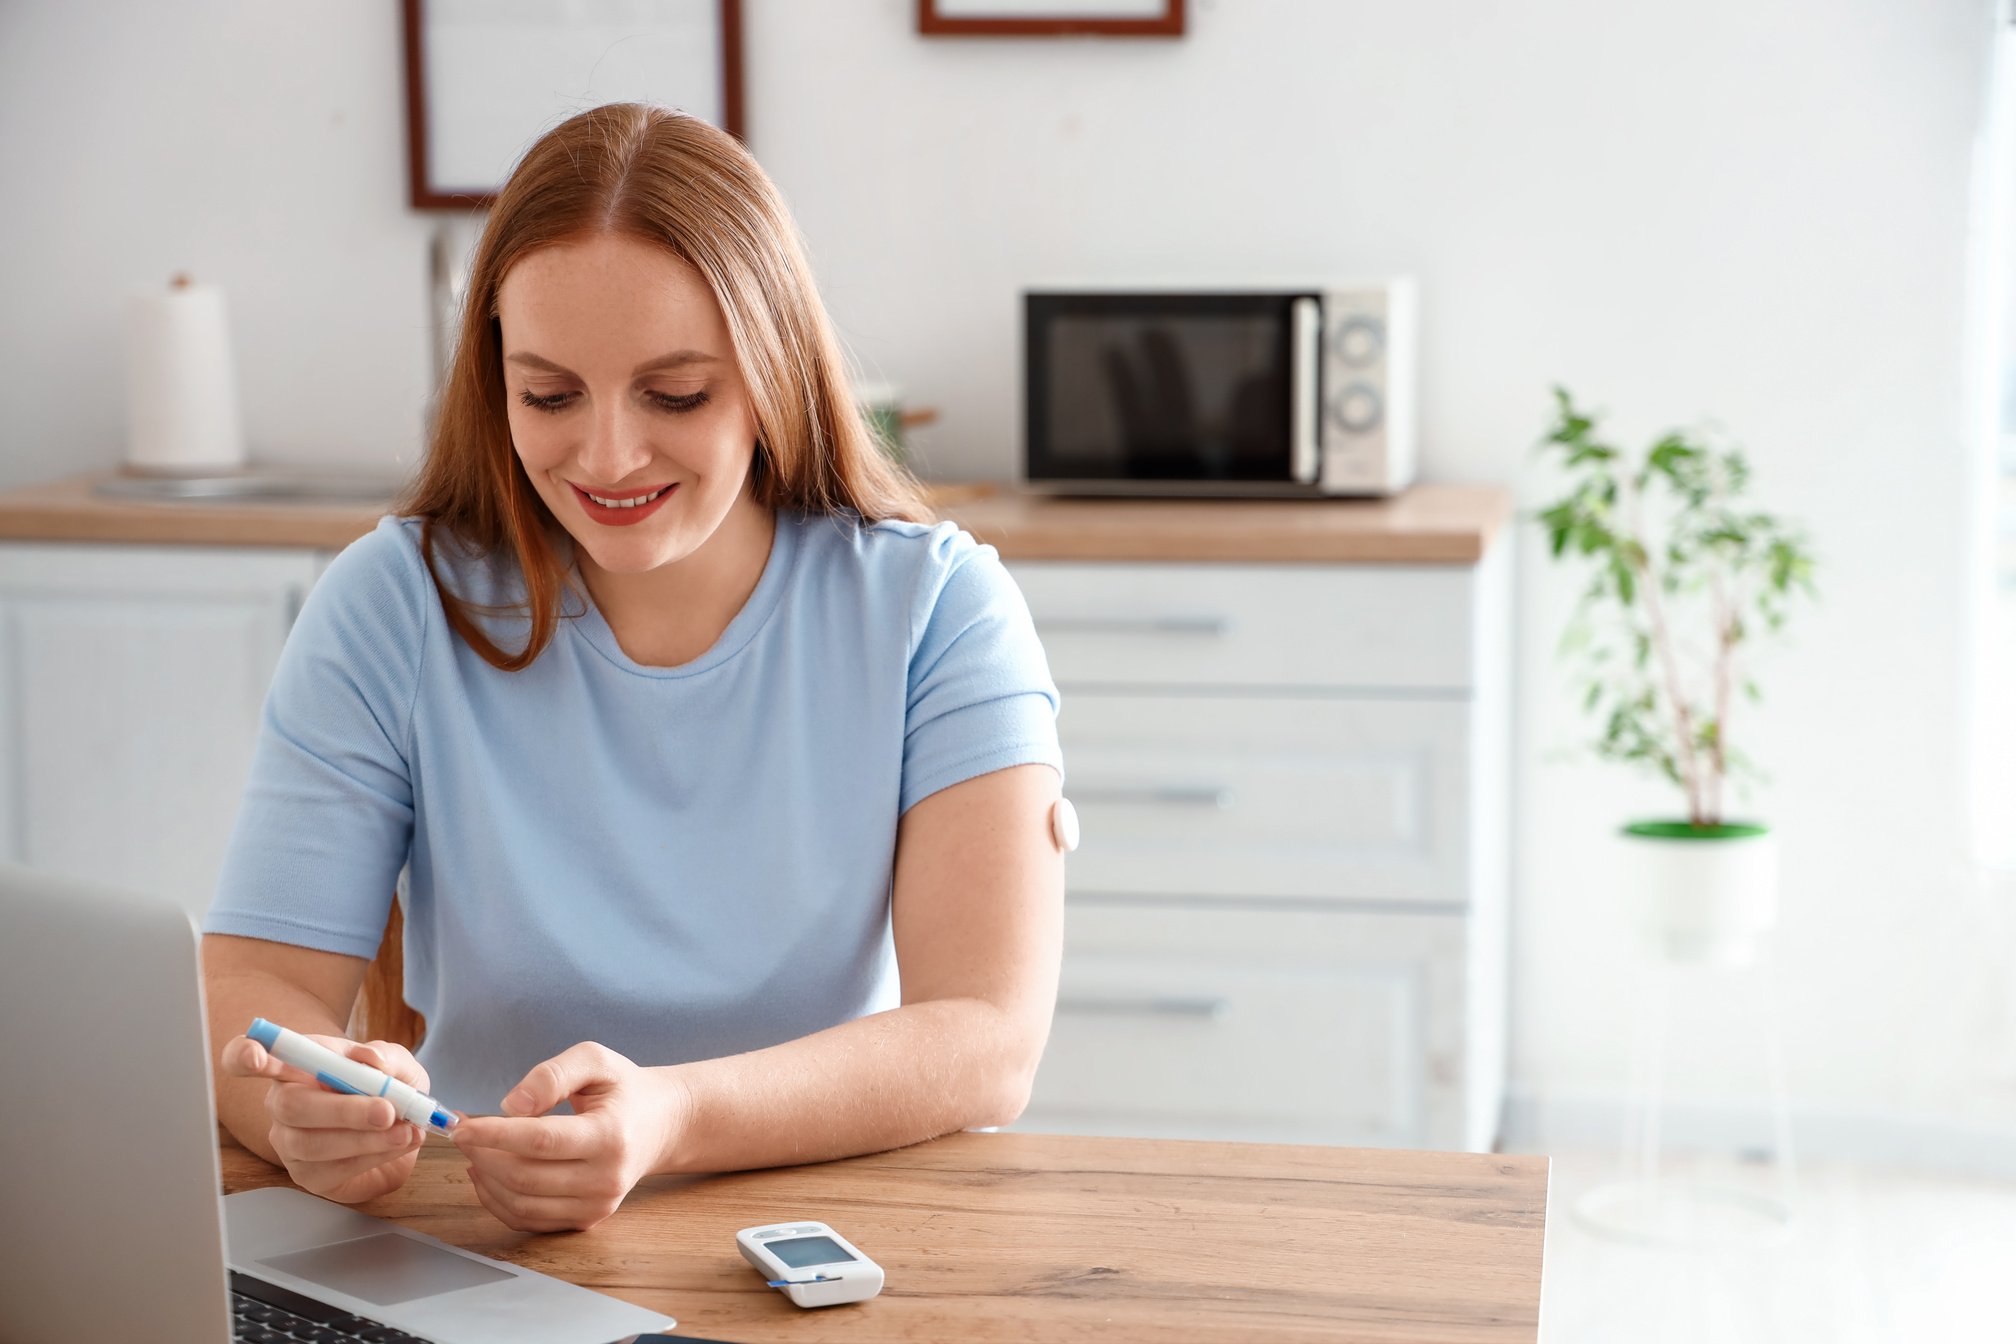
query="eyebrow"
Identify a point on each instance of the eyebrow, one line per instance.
(677, 359)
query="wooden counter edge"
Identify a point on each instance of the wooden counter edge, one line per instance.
(1429, 524)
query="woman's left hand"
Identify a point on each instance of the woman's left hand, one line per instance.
(556, 1173)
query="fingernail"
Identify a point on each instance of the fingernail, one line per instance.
(517, 1101)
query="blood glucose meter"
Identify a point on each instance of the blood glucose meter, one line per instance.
(810, 1263)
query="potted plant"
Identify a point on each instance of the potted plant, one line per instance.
(1683, 581)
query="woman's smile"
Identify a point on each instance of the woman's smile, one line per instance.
(620, 510)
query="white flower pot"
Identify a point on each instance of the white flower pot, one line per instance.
(1709, 894)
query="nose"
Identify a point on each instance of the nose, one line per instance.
(617, 445)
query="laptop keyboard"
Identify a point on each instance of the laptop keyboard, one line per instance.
(264, 1313)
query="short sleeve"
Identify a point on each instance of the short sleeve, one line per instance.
(980, 693)
(326, 820)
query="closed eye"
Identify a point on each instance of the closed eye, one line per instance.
(559, 401)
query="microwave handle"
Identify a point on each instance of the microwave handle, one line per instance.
(1307, 319)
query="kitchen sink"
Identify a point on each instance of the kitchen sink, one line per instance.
(265, 485)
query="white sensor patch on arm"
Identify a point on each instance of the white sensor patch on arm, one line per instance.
(1064, 825)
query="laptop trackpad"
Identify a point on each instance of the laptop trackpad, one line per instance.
(386, 1269)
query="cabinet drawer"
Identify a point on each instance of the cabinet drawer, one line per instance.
(1367, 627)
(1284, 1026)
(1316, 798)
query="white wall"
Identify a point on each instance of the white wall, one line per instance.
(1750, 209)
(258, 147)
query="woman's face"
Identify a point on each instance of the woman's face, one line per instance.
(621, 382)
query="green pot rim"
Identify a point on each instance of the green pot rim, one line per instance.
(1687, 830)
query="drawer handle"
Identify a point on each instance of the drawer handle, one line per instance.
(1207, 795)
(1210, 627)
(1209, 1007)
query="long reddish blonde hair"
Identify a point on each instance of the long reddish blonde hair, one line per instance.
(668, 178)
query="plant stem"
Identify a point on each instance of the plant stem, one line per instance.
(1690, 762)
(1662, 644)
(1725, 657)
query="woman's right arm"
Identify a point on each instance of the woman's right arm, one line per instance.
(308, 877)
(342, 1147)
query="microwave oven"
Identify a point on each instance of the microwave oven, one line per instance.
(1291, 392)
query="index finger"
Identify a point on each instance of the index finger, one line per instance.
(321, 1107)
(553, 1137)
(388, 1057)
(243, 1057)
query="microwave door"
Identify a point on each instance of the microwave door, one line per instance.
(1189, 389)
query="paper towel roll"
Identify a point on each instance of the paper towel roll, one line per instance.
(181, 389)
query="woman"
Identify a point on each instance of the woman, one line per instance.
(722, 778)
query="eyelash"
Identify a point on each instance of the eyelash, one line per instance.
(558, 402)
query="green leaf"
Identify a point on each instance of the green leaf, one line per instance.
(1731, 570)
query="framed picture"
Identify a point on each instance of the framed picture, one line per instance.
(1045, 18)
(484, 80)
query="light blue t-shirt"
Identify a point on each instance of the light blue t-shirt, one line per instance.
(678, 862)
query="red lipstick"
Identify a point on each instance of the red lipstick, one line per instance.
(628, 514)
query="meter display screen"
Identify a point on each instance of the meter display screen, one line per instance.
(799, 1252)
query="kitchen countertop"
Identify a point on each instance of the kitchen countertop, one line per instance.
(1428, 524)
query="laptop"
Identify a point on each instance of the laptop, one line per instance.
(110, 1181)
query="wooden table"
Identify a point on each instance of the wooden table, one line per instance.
(1038, 1237)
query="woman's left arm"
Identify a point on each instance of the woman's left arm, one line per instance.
(978, 918)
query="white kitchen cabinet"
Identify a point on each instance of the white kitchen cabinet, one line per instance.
(1286, 919)
(132, 678)
(1292, 1026)
(1276, 796)
(1258, 627)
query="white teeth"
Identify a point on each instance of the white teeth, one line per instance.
(626, 503)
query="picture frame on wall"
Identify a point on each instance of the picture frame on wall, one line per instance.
(1050, 18)
(483, 80)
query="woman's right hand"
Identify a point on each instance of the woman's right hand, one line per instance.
(338, 1145)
